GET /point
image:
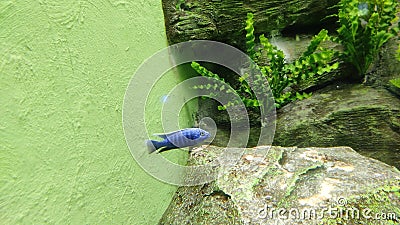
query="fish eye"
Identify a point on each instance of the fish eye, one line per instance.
(202, 133)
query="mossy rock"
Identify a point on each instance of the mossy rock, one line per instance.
(386, 67)
(225, 20)
(364, 118)
(291, 179)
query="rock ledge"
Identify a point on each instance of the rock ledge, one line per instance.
(290, 186)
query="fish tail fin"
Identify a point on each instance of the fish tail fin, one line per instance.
(152, 145)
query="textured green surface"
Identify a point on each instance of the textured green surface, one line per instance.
(64, 67)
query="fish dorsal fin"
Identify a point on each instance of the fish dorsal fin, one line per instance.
(164, 135)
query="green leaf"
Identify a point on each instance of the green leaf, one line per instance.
(250, 38)
(362, 33)
(221, 107)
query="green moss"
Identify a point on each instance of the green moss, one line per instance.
(379, 201)
(293, 181)
(214, 207)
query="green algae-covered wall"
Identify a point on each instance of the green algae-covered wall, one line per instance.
(64, 67)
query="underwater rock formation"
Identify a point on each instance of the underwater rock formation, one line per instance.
(219, 20)
(364, 118)
(290, 186)
(358, 116)
(386, 67)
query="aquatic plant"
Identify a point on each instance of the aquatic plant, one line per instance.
(280, 75)
(245, 93)
(395, 82)
(364, 26)
(180, 4)
(250, 38)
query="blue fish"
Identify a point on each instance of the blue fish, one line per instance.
(178, 139)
